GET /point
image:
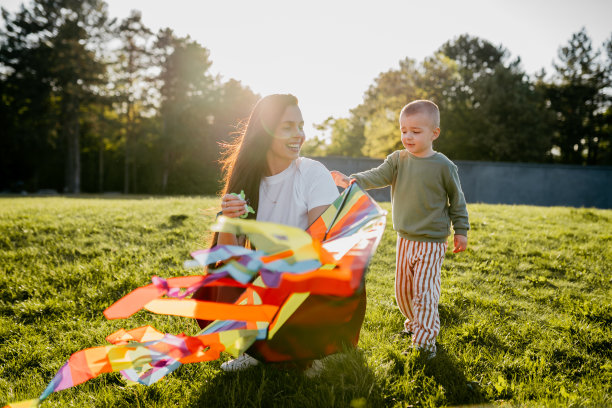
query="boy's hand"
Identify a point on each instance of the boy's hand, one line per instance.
(460, 243)
(340, 179)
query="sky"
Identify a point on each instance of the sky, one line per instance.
(328, 52)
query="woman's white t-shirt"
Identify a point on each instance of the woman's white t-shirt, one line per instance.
(286, 197)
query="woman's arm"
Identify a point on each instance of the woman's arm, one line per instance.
(321, 190)
(225, 238)
(316, 213)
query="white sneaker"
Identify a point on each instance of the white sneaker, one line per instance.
(427, 351)
(241, 363)
(315, 369)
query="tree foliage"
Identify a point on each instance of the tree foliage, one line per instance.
(132, 65)
(91, 104)
(48, 47)
(579, 96)
(141, 111)
(490, 109)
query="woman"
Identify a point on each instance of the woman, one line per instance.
(279, 185)
(264, 162)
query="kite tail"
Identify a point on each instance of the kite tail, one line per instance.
(292, 273)
(143, 355)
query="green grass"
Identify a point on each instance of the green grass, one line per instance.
(526, 311)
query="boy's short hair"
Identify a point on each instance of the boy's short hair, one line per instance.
(423, 106)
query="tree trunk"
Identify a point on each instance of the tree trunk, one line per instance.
(134, 179)
(129, 128)
(126, 165)
(101, 167)
(164, 181)
(71, 130)
(165, 172)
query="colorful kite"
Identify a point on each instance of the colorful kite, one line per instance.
(303, 297)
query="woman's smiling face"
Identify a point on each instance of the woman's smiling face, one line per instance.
(288, 139)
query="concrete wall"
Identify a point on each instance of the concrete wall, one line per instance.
(512, 183)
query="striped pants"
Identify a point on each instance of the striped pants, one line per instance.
(417, 288)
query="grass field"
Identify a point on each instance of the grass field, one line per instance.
(526, 311)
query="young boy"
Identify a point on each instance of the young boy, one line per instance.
(426, 197)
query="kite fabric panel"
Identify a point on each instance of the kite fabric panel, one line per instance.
(302, 298)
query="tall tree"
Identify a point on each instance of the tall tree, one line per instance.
(57, 34)
(475, 56)
(605, 116)
(579, 97)
(134, 62)
(491, 111)
(234, 102)
(346, 138)
(27, 109)
(187, 93)
(371, 128)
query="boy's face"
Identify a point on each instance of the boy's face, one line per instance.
(418, 134)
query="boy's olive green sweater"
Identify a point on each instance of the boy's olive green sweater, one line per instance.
(426, 195)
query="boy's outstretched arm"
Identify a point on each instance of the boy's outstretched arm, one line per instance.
(460, 242)
(340, 179)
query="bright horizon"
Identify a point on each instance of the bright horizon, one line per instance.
(328, 53)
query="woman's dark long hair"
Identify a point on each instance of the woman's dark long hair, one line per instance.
(244, 161)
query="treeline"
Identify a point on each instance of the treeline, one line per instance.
(491, 110)
(93, 104)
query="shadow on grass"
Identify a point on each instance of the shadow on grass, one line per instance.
(344, 380)
(445, 370)
(175, 221)
(410, 377)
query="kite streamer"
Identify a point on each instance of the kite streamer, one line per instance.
(303, 297)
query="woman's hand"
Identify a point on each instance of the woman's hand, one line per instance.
(232, 206)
